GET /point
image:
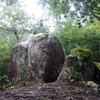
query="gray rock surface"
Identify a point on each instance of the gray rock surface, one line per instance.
(36, 57)
(77, 68)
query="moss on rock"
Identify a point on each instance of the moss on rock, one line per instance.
(97, 64)
(82, 52)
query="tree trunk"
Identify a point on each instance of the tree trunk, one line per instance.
(15, 32)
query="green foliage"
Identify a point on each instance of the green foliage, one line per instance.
(92, 36)
(86, 37)
(70, 36)
(6, 44)
(9, 2)
(14, 19)
(67, 76)
(82, 9)
(3, 82)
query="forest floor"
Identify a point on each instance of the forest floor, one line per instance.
(58, 90)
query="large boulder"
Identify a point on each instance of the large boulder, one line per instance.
(36, 57)
(78, 68)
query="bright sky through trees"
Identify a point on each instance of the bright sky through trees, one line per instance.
(32, 7)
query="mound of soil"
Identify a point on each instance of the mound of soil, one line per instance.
(58, 90)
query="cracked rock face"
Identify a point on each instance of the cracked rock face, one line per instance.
(36, 57)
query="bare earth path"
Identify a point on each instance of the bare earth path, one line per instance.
(59, 90)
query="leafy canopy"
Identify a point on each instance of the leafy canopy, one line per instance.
(13, 19)
(83, 8)
(10, 2)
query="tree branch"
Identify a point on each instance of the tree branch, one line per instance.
(6, 29)
(95, 16)
(11, 30)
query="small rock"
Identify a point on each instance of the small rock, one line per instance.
(95, 90)
(90, 83)
(94, 85)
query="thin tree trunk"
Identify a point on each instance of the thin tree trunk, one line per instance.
(15, 32)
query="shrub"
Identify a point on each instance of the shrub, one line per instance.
(6, 44)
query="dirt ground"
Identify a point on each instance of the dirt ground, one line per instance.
(59, 90)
